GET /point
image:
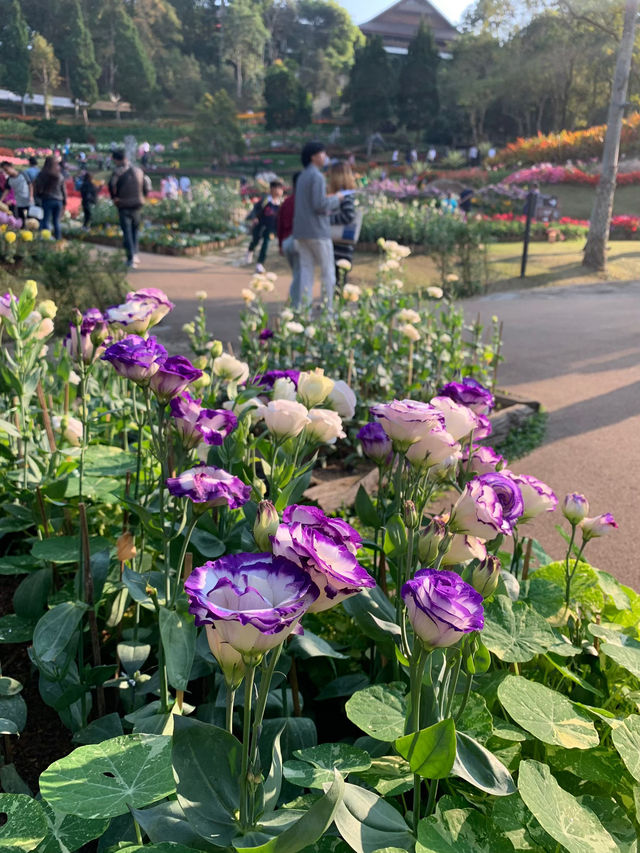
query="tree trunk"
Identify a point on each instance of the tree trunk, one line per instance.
(239, 81)
(45, 94)
(595, 251)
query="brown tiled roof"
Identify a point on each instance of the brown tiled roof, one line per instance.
(399, 23)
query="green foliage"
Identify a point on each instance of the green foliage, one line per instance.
(418, 99)
(369, 92)
(15, 70)
(216, 130)
(77, 51)
(135, 76)
(521, 440)
(287, 103)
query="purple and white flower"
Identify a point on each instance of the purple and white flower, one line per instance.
(254, 601)
(210, 486)
(134, 317)
(485, 576)
(153, 295)
(376, 444)
(485, 460)
(335, 528)
(469, 393)
(509, 495)
(484, 428)
(268, 379)
(575, 507)
(5, 305)
(231, 663)
(195, 424)
(434, 447)
(431, 538)
(478, 512)
(459, 420)
(442, 608)
(175, 373)
(86, 341)
(464, 548)
(136, 358)
(406, 421)
(599, 525)
(536, 495)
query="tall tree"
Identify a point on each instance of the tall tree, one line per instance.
(14, 48)
(243, 37)
(418, 99)
(79, 56)
(327, 39)
(595, 250)
(369, 91)
(45, 68)
(216, 129)
(287, 103)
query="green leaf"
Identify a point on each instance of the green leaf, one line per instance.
(390, 775)
(14, 709)
(25, 825)
(367, 604)
(133, 656)
(547, 589)
(65, 549)
(379, 711)
(273, 783)
(368, 823)
(162, 847)
(137, 582)
(8, 727)
(308, 645)
(210, 800)
(431, 751)
(13, 629)
(15, 565)
(548, 715)
(514, 632)
(9, 686)
(207, 544)
(30, 598)
(178, 635)
(54, 632)
(460, 831)
(366, 510)
(166, 822)
(615, 821)
(344, 685)
(600, 766)
(621, 648)
(305, 831)
(103, 460)
(104, 728)
(318, 763)
(565, 819)
(480, 767)
(68, 832)
(476, 719)
(296, 733)
(626, 739)
(105, 779)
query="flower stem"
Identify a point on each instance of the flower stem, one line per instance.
(570, 574)
(183, 552)
(418, 661)
(245, 819)
(230, 699)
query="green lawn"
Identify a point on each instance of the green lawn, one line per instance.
(577, 201)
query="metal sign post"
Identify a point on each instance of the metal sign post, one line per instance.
(530, 208)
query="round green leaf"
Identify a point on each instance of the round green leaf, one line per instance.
(621, 648)
(514, 632)
(8, 727)
(25, 825)
(105, 779)
(9, 686)
(569, 822)
(626, 739)
(336, 756)
(460, 831)
(548, 715)
(547, 589)
(162, 847)
(68, 832)
(379, 711)
(368, 823)
(615, 821)
(431, 751)
(14, 708)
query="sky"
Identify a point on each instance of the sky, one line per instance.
(364, 10)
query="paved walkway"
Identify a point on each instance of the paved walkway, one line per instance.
(575, 349)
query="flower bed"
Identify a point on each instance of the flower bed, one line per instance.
(158, 239)
(453, 683)
(547, 173)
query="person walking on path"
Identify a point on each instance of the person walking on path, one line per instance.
(50, 190)
(341, 180)
(311, 228)
(264, 222)
(287, 244)
(89, 197)
(22, 190)
(128, 187)
(33, 170)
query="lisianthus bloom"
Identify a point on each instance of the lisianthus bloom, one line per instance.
(575, 507)
(230, 369)
(464, 548)
(269, 378)
(342, 399)
(486, 575)
(484, 427)
(335, 528)
(70, 428)
(351, 293)
(134, 317)
(442, 608)
(406, 421)
(136, 358)
(409, 332)
(469, 393)
(195, 424)
(407, 315)
(332, 566)
(285, 418)
(5, 305)
(284, 389)
(162, 302)
(294, 327)
(459, 419)
(247, 295)
(325, 426)
(599, 525)
(175, 373)
(265, 334)
(485, 460)
(376, 444)
(40, 327)
(210, 486)
(230, 661)
(509, 495)
(536, 495)
(343, 264)
(478, 512)
(314, 387)
(432, 448)
(86, 341)
(434, 292)
(253, 601)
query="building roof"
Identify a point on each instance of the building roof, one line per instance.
(398, 24)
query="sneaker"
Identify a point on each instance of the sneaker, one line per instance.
(136, 261)
(248, 258)
(260, 268)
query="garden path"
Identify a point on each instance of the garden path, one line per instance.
(576, 349)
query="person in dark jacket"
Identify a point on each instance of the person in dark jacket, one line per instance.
(50, 190)
(264, 223)
(89, 197)
(341, 181)
(128, 187)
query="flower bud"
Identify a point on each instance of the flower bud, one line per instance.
(430, 540)
(48, 309)
(411, 515)
(599, 525)
(485, 577)
(200, 362)
(30, 290)
(575, 507)
(189, 328)
(265, 525)
(215, 349)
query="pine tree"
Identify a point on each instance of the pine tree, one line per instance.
(418, 101)
(14, 44)
(135, 76)
(216, 130)
(79, 55)
(288, 105)
(368, 91)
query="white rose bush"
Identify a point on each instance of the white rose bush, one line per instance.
(241, 670)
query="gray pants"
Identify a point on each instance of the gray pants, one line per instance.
(290, 251)
(318, 252)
